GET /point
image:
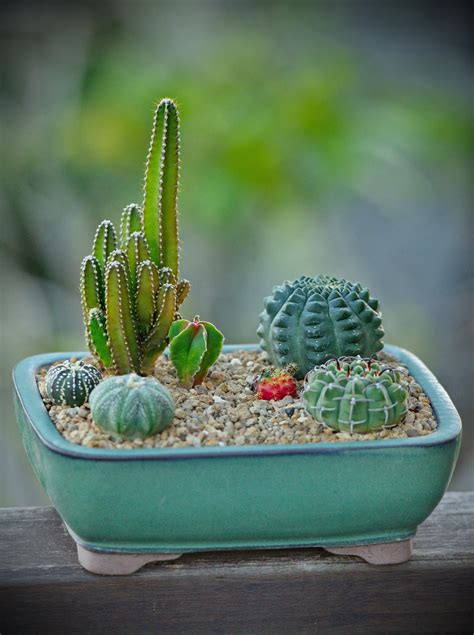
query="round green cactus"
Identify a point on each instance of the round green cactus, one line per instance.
(311, 320)
(70, 383)
(131, 406)
(355, 395)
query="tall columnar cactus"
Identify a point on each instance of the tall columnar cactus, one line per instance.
(310, 320)
(355, 395)
(130, 286)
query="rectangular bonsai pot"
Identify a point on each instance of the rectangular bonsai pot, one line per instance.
(159, 502)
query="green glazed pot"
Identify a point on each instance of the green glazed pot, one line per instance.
(159, 503)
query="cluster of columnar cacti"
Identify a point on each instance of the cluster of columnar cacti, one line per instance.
(71, 382)
(194, 348)
(131, 406)
(355, 395)
(130, 286)
(310, 320)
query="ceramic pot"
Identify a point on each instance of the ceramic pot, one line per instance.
(128, 507)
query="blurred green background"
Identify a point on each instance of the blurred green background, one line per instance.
(331, 137)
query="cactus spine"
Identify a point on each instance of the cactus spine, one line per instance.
(310, 320)
(355, 395)
(130, 290)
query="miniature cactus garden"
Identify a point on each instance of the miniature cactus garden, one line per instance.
(315, 377)
(296, 418)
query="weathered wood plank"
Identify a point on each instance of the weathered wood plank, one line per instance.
(44, 589)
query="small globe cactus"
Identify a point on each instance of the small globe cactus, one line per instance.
(274, 385)
(71, 382)
(311, 320)
(355, 395)
(131, 406)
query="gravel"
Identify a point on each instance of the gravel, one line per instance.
(224, 411)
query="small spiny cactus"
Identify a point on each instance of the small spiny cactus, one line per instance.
(194, 348)
(355, 395)
(273, 385)
(130, 286)
(71, 382)
(311, 320)
(131, 406)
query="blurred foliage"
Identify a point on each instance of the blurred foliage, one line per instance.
(316, 137)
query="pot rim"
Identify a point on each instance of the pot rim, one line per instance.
(24, 380)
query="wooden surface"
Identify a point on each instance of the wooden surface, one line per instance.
(44, 590)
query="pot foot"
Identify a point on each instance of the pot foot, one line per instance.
(382, 553)
(118, 563)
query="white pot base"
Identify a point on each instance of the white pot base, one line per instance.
(118, 563)
(103, 563)
(382, 553)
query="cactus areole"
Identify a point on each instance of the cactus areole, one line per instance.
(311, 320)
(355, 395)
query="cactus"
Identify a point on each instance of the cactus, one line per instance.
(131, 406)
(194, 348)
(310, 320)
(273, 385)
(130, 287)
(161, 188)
(355, 395)
(70, 383)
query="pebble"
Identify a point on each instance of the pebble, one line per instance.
(224, 411)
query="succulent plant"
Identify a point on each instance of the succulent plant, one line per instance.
(310, 320)
(130, 287)
(194, 348)
(131, 406)
(273, 385)
(355, 395)
(71, 382)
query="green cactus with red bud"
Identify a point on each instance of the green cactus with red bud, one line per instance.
(194, 347)
(355, 395)
(130, 286)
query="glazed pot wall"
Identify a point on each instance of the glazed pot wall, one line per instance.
(246, 496)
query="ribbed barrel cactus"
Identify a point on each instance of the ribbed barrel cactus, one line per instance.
(131, 406)
(130, 286)
(310, 320)
(71, 382)
(355, 395)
